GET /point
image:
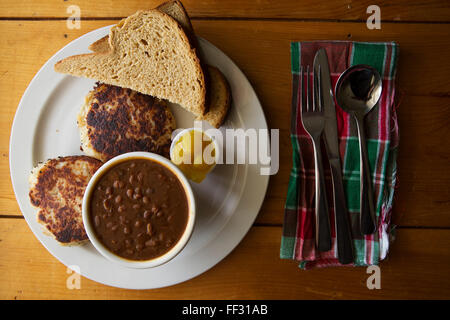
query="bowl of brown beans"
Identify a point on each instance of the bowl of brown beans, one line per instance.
(139, 210)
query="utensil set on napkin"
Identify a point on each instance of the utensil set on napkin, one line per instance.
(320, 237)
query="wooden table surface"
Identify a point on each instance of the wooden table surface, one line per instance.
(256, 35)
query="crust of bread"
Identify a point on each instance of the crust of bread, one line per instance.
(220, 98)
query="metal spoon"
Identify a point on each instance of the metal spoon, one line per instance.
(358, 90)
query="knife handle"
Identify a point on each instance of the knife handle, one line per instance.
(343, 231)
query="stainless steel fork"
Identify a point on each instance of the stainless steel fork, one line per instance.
(313, 119)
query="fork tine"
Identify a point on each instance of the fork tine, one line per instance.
(308, 96)
(302, 91)
(319, 89)
(313, 92)
(315, 106)
(316, 90)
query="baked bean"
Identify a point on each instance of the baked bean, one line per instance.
(118, 199)
(137, 190)
(138, 223)
(140, 176)
(147, 214)
(132, 165)
(139, 247)
(150, 243)
(161, 236)
(130, 193)
(131, 179)
(108, 190)
(106, 204)
(169, 219)
(126, 230)
(136, 206)
(109, 225)
(137, 196)
(114, 227)
(121, 208)
(145, 200)
(116, 184)
(141, 235)
(97, 220)
(149, 229)
(128, 243)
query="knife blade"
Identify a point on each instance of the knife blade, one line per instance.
(343, 232)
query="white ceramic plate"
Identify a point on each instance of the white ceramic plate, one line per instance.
(228, 199)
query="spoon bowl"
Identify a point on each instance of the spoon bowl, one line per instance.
(358, 90)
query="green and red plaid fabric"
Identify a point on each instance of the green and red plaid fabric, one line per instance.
(382, 140)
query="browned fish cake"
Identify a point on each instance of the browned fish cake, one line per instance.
(116, 120)
(56, 189)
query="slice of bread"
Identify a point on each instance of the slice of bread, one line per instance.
(218, 91)
(219, 98)
(174, 9)
(149, 53)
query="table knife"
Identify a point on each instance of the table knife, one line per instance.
(343, 232)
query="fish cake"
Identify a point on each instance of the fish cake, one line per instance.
(56, 189)
(115, 120)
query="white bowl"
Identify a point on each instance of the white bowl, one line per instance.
(139, 263)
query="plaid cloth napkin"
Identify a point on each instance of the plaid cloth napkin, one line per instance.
(382, 140)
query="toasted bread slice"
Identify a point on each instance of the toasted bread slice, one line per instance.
(220, 98)
(149, 53)
(174, 9)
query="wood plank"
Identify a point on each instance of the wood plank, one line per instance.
(252, 271)
(423, 198)
(399, 10)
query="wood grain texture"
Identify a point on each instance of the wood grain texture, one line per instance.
(252, 271)
(423, 196)
(399, 10)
